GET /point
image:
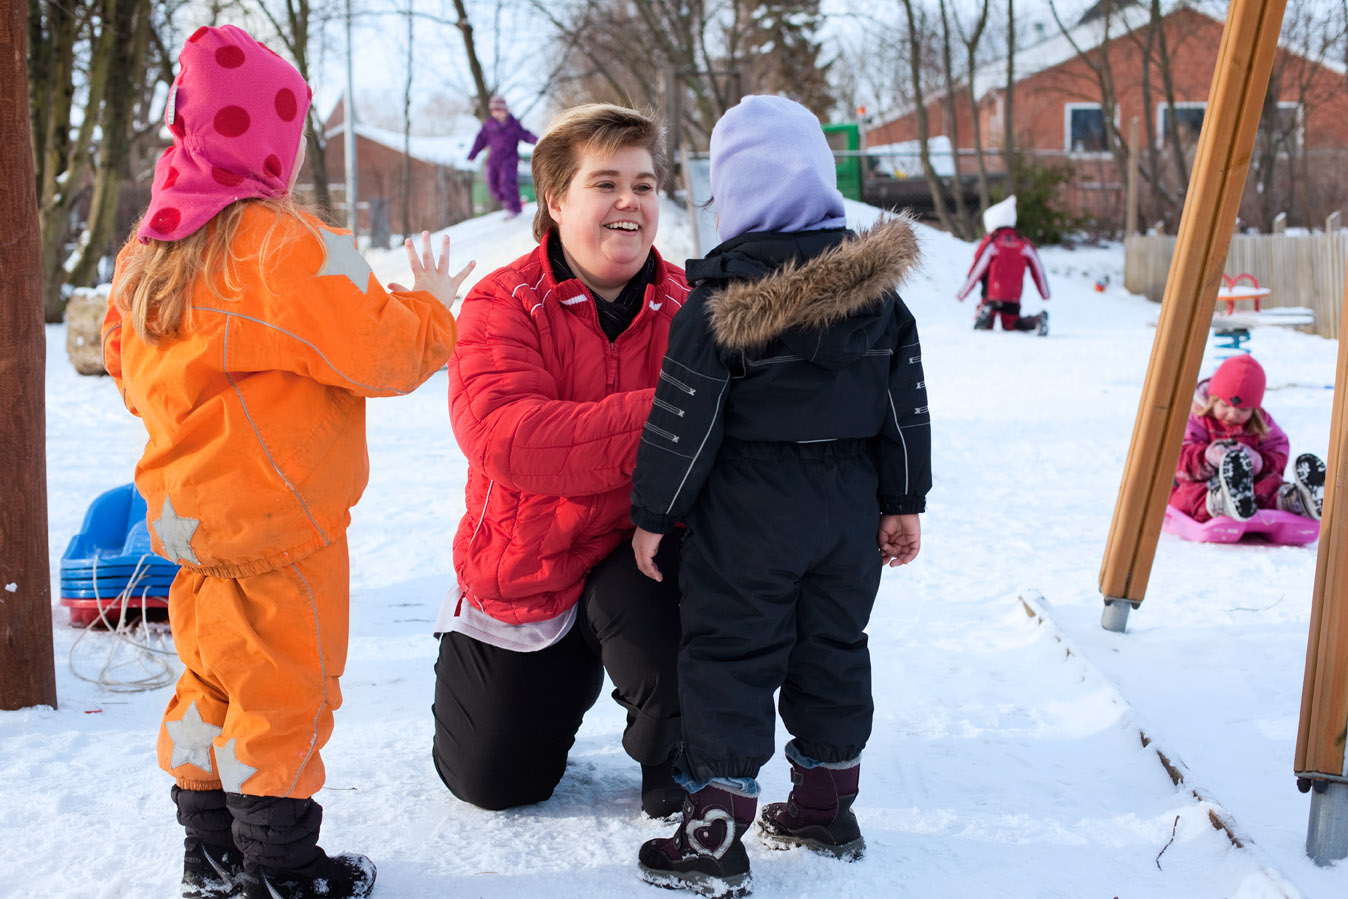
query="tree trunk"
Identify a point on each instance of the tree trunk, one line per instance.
(124, 62)
(1008, 109)
(27, 665)
(474, 64)
(963, 223)
(923, 128)
(61, 164)
(406, 177)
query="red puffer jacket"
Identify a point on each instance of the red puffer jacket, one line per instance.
(1000, 263)
(549, 414)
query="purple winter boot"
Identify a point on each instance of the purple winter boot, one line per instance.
(706, 854)
(818, 813)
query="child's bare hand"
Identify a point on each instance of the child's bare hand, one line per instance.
(644, 545)
(430, 275)
(899, 539)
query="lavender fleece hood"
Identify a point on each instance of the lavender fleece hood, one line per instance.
(772, 170)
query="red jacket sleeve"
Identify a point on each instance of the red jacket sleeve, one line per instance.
(511, 420)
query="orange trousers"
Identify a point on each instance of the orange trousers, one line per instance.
(263, 655)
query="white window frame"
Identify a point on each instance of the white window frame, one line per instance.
(1068, 109)
(1179, 104)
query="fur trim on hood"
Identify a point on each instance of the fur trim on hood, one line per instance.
(818, 292)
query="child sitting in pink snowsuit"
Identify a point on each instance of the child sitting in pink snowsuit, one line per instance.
(1234, 453)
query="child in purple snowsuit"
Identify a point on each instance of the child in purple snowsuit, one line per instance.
(501, 135)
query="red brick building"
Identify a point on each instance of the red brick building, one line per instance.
(441, 177)
(1060, 116)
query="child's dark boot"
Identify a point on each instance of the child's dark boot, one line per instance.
(661, 797)
(983, 318)
(212, 864)
(282, 859)
(1231, 492)
(1308, 473)
(706, 854)
(818, 813)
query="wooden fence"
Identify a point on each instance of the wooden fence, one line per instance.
(1299, 270)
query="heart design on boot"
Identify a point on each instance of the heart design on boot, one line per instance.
(695, 828)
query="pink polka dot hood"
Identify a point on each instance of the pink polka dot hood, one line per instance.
(236, 111)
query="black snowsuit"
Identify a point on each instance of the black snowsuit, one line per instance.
(790, 413)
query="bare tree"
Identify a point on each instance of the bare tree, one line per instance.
(293, 21)
(917, 25)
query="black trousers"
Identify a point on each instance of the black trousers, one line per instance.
(780, 571)
(505, 720)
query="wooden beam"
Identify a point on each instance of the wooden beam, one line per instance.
(1235, 101)
(1324, 693)
(27, 672)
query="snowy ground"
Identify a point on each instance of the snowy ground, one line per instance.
(1007, 758)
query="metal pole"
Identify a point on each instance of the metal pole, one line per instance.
(1244, 61)
(349, 131)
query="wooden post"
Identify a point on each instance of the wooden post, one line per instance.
(1244, 60)
(1333, 221)
(1130, 213)
(27, 667)
(1279, 224)
(1320, 763)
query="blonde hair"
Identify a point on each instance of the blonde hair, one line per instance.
(601, 127)
(1257, 425)
(154, 282)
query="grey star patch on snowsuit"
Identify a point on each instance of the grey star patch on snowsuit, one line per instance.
(232, 771)
(192, 738)
(176, 533)
(345, 260)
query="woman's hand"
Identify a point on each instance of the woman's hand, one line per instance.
(899, 539)
(432, 276)
(644, 545)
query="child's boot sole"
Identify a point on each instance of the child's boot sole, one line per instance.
(848, 852)
(721, 887)
(1309, 477)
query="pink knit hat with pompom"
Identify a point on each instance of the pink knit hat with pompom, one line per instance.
(236, 111)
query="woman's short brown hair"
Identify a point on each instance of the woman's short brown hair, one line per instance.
(602, 127)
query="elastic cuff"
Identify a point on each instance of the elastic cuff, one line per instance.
(794, 754)
(653, 521)
(740, 786)
(902, 505)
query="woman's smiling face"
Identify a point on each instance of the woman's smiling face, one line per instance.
(608, 218)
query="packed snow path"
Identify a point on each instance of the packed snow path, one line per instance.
(1007, 758)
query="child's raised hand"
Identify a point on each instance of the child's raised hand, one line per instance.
(644, 545)
(899, 539)
(430, 275)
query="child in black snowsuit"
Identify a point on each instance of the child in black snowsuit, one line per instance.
(790, 434)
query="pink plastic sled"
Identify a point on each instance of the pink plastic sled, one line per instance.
(1279, 528)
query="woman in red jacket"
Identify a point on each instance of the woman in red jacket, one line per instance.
(557, 358)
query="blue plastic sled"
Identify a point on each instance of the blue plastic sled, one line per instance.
(100, 561)
(1273, 526)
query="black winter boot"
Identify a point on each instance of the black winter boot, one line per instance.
(706, 854)
(818, 813)
(1308, 474)
(661, 797)
(212, 864)
(282, 859)
(983, 318)
(1235, 486)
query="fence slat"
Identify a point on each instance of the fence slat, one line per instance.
(1299, 270)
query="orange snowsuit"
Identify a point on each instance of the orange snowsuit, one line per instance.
(256, 453)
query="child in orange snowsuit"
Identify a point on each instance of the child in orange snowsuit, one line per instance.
(247, 335)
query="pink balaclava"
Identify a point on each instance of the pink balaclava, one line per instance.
(237, 113)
